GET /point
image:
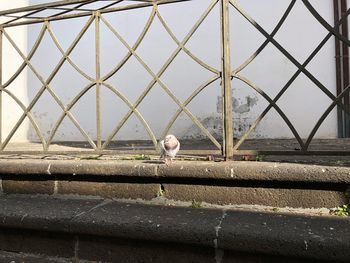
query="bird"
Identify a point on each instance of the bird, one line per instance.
(169, 148)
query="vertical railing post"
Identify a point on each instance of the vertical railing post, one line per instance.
(98, 79)
(1, 63)
(227, 148)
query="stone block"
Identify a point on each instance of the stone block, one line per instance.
(109, 190)
(256, 196)
(27, 187)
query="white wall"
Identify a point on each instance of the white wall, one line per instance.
(303, 102)
(11, 61)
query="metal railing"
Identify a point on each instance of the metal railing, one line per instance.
(228, 147)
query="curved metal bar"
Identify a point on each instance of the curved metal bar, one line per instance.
(138, 114)
(29, 115)
(55, 97)
(258, 51)
(300, 67)
(162, 70)
(134, 47)
(324, 23)
(58, 45)
(324, 116)
(296, 74)
(30, 55)
(66, 112)
(188, 100)
(166, 89)
(277, 108)
(90, 12)
(51, 76)
(195, 58)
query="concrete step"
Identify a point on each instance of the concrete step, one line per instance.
(94, 229)
(262, 183)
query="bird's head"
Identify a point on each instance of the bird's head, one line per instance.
(169, 138)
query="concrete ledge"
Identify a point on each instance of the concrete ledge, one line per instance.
(277, 197)
(272, 184)
(87, 228)
(236, 170)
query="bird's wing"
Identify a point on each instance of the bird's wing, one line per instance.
(162, 149)
(177, 147)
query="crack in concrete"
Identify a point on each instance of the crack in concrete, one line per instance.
(219, 254)
(55, 187)
(156, 169)
(48, 169)
(1, 189)
(24, 216)
(103, 203)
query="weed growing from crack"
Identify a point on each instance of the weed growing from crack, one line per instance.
(196, 204)
(343, 210)
(260, 158)
(161, 192)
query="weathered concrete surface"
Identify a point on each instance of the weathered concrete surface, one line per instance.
(28, 187)
(99, 229)
(109, 190)
(273, 184)
(180, 169)
(11, 257)
(255, 196)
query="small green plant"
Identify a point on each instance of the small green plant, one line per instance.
(196, 204)
(142, 157)
(161, 192)
(275, 209)
(343, 210)
(260, 158)
(339, 162)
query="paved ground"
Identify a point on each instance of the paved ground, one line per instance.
(98, 229)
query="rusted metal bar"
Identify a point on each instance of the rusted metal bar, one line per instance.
(22, 16)
(227, 147)
(263, 45)
(69, 2)
(345, 71)
(338, 72)
(76, 8)
(98, 79)
(342, 68)
(40, 6)
(301, 68)
(295, 152)
(1, 63)
(90, 13)
(345, 92)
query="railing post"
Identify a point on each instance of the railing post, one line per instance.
(1, 61)
(98, 80)
(227, 148)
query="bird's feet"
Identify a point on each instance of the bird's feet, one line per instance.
(168, 161)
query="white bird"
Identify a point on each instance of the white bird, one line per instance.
(169, 148)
